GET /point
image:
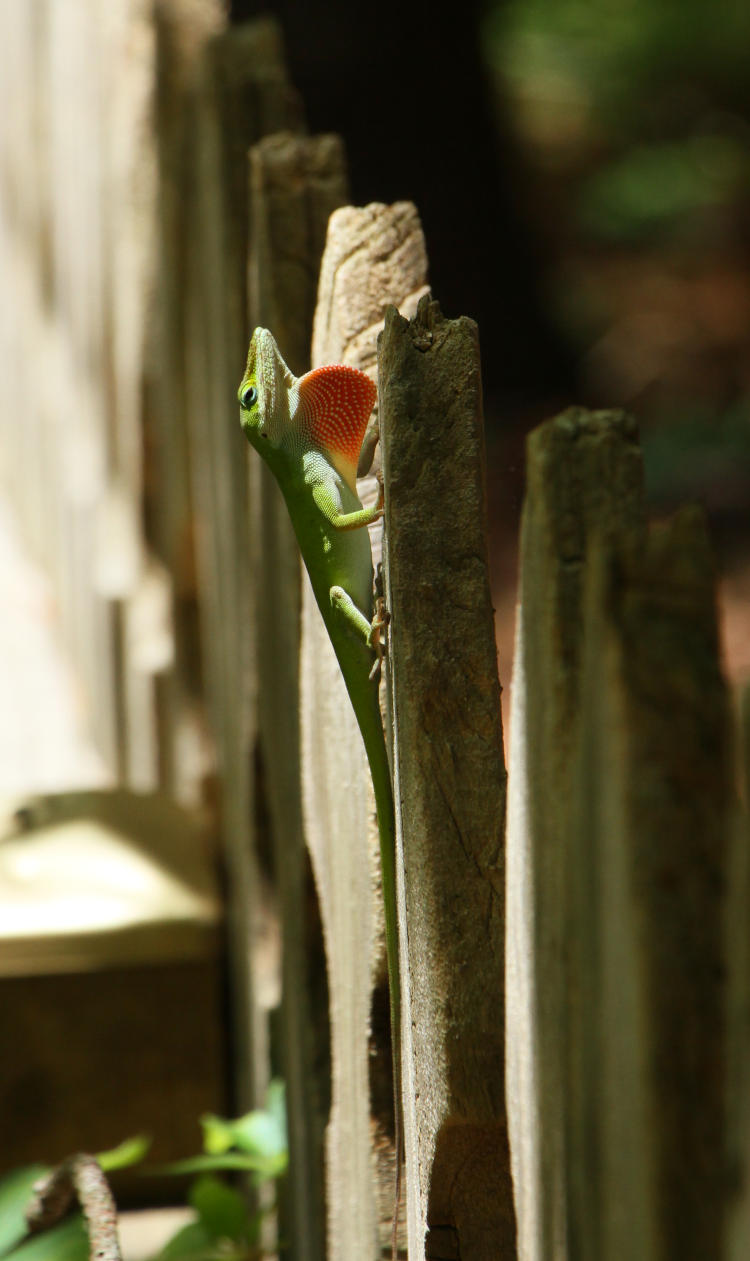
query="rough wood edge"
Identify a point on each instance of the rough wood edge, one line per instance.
(374, 256)
(646, 901)
(295, 184)
(450, 787)
(240, 92)
(584, 473)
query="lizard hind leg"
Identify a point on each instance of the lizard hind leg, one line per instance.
(377, 638)
(355, 619)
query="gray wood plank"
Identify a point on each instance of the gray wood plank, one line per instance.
(295, 184)
(241, 92)
(648, 879)
(583, 473)
(450, 781)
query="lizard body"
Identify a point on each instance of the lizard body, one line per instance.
(309, 430)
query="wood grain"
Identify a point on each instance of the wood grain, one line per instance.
(450, 784)
(374, 257)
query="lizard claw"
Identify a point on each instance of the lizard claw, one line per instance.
(376, 638)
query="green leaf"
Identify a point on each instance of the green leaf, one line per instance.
(15, 1193)
(67, 1242)
(217, 1134)
(130, 1152)
(229, 1161)
(189, 1244)
(220, 1208)
(260, 1133)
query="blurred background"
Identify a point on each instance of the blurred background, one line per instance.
(582, 172)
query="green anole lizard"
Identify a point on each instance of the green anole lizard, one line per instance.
(309, 431)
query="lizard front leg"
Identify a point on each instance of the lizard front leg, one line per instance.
(345, 520)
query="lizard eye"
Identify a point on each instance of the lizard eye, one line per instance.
(248, 397)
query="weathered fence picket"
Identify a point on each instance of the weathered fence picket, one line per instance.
(373, 257)
(240, 92)
(295, 184)
(646, 942)
(582, 474)
(77, 174)
(449, 778)
(618, 817)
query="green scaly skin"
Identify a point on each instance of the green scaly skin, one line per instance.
(330, 523)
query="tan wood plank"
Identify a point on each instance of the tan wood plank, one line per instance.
(374, 257)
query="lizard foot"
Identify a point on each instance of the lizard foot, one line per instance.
(376, 638)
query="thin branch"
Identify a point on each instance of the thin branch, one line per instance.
(79, 1177)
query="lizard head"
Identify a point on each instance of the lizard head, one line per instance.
(264, 394)
(326, 409)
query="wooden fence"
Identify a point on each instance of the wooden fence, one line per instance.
(141, 244)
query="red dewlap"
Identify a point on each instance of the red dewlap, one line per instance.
(335, 403)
